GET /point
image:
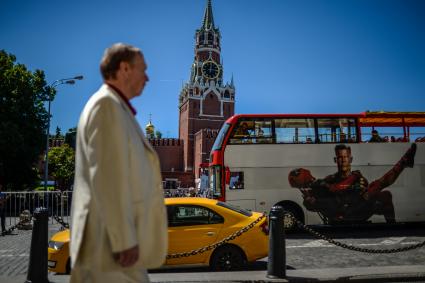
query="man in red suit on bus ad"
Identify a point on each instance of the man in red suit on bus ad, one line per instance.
(347, 196)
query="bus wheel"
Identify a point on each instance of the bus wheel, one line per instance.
(291, 211)
(227, 258)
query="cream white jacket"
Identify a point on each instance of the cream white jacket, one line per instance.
(118, 198)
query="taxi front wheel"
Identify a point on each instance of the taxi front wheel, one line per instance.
(228, 258)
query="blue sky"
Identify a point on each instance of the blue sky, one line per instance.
(286, 56)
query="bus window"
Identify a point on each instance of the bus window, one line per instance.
(215, 180)
(263, 132)
(252, 131)
(336, 130)
(417, 134)
(294, 130)
(236, 181)
(243, 132)
(385, 134)
(220, 137)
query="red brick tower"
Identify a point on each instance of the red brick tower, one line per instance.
(204, 101)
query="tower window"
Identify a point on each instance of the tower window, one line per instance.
(210, 38)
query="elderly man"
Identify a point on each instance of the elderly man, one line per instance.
(119, 224)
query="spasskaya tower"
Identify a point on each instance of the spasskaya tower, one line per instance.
(205, 102)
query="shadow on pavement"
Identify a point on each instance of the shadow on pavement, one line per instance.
(366, 231)
(258, 265)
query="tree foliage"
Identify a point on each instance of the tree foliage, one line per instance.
(58, 133)
(61, 165)
(71, 137)
(23, 121)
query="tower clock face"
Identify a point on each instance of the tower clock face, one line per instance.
(210, 70)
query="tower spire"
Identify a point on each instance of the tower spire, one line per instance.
(208, 22)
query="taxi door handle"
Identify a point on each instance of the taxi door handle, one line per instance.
(210, 233)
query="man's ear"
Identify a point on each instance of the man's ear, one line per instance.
(351, 159)
(124, 68)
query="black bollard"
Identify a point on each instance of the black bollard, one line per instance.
(276, 266)
(37, 268)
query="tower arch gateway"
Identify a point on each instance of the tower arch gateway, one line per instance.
(211, 104)
(204, 101)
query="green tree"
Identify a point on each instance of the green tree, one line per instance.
(71, 137)
(61, 166)
(158, 134)
(23, 121)
(58, 133)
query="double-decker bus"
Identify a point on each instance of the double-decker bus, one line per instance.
(323, 168)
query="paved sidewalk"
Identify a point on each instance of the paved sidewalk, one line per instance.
(364, 274)
(407, 273)
(15, 251)
(14, 254)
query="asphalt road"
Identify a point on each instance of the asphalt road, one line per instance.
(303, 251)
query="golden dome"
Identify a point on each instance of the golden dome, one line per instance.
(150, 129)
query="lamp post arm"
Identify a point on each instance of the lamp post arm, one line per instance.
(52, 89)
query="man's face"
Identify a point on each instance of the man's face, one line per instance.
(343, 160)
(137, 76)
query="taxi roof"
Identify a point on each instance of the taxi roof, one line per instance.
(189, 200)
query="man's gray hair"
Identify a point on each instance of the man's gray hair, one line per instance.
(114, 55)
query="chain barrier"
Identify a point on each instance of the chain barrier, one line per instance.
(24, 223)
(217, 244)
(9, 230)
(351, 247)
(61, 221)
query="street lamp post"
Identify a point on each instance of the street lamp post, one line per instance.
(53, 85)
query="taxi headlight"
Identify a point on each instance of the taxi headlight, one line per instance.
(56, 245)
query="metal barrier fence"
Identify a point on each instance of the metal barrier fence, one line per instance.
(57, 203)
(187, 192)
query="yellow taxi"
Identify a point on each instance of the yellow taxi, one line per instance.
(58, 252)
(201, 231)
